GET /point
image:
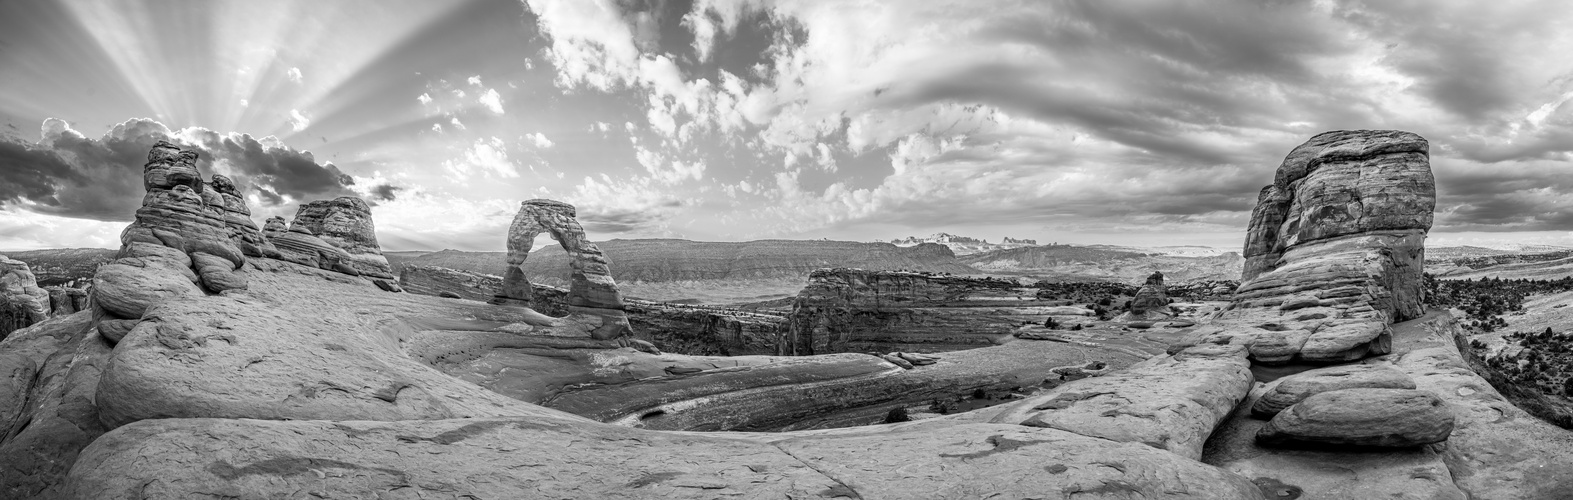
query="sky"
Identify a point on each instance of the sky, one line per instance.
(1136, 122)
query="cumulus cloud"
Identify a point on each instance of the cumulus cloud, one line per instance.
(488, 158)
(424, 98)
(68, 174)
(539, 140)
(298, 121)
(492, 101)
(294, 75)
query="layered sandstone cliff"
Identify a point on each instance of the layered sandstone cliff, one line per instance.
(857, 310)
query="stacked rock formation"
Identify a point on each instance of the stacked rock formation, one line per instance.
(238, 217)
(22, 302)
(180, 244)
(345, 222)
(591, 290)
(63, 300)
(1334, 250)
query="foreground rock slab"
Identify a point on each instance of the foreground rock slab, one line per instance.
(531, 458)
(1168, 402)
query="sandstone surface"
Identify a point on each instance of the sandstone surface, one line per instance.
(1334, 251)
(1167, 402)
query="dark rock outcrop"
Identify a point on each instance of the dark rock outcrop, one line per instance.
(1334, 251)
(591, 291)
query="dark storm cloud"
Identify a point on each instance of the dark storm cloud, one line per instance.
(385, 192)
(1518, 196)
(70, 175)
(1149, 76)
(31, 174)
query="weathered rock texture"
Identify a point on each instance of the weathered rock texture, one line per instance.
(345, 222)
(1394, 418)
(591, 292)
(301, 246)
(1169, 402)
(1288, 391)
(22, 302)
(1495, 450)
(238, 217)
(1334, 251)
(857, 310)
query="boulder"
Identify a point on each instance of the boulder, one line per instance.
(1334, 251)
(591, 291)
(301, 246)
(345, 222)
(1288, 391)
(1388, 418)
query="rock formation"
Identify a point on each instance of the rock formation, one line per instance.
(238, 217)
(1334, 250)
(591, 292)
(1151, 301)
(345, 222)
(181, 238)
(22, 302)
(857, 310)
(301, 246)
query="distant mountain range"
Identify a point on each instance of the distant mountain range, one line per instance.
(963, 245)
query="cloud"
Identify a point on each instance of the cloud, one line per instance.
(294, 75)
(385, 192)
(622, 207)
(539, 140)
(298, 121)
(424, 98)
(475, 80)
(492, 101)
(488, 158)
(70, 175)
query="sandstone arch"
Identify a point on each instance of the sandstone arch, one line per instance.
(592, 291)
